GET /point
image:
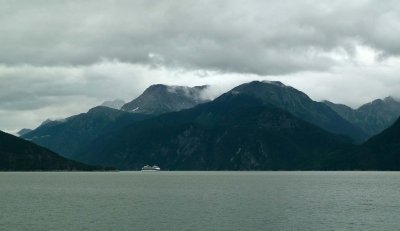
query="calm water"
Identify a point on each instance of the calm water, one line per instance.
(200, 201)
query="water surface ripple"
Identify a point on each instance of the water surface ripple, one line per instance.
(199, 201)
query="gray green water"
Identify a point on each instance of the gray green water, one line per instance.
(200, 201)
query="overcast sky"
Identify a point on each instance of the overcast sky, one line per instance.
(59, 58)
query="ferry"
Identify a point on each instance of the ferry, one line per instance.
(149, 168)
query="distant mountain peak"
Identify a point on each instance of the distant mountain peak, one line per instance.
(269, 82)
(115, 104)
(376, 101)
(372, 117)
(160, 98)
(100, 109)
(46, 122)
(175, 89)
(277, 83)
(52, 122)
(325, 101)
(390, 99)
(272, 91)
(156, 87)
(300, 105)
(23, 131)
(386, 100)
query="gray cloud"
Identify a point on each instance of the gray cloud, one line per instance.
(262, 37)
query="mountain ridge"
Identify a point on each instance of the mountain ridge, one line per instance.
(17, 154)
(233, 132)
(79, 130)
(254, 126)
(372, 117)
(302, 106)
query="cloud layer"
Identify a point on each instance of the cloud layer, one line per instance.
(262, 37)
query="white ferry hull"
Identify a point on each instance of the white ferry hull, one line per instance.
(148, 168)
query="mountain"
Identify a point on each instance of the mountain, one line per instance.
(23, 131)
(115, 104)
(372, 117)
(382, 152)
(158, 99)
(68, 136)
(233, 132)
(300, 105)
(20, 155)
